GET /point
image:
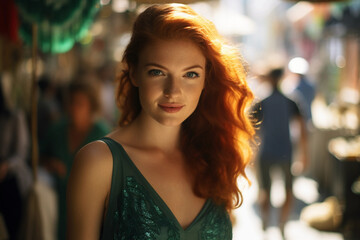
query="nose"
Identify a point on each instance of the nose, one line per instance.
(172, 87)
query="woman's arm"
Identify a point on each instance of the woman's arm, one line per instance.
(299, 167)
(87, 191)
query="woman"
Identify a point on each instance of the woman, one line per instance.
(66, 136)
(170, 170)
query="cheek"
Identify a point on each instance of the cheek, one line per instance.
(147, 96)
(150, 91)
(197, 98)
(82, 109)
(195, 91)
(87, 109)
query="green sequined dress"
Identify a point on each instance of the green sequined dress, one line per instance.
(137, 212)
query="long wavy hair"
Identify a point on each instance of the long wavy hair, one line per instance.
(216, 139)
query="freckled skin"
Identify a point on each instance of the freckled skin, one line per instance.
(171, 73)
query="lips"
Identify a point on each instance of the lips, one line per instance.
(171, 107)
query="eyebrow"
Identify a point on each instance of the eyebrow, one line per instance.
(160, 66)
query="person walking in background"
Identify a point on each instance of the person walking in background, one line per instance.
(274, 114)
(15, 175)
(68, 135)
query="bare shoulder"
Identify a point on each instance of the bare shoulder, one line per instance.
(90, 178)
(94, 160)
(96, 152)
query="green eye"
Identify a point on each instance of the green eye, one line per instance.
(155, 72)
(191, 75)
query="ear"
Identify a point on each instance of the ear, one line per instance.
(133, 77)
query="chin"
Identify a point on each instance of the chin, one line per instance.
(170, 122)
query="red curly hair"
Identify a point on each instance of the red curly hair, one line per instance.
(216, 138)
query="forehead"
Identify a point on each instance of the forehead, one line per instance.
(172, 51)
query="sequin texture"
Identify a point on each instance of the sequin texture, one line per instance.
(217, 225)
(138, 217)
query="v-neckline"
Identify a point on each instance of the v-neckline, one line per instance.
(160, 201)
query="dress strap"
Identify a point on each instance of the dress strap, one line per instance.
(116, 185)
(117, 153)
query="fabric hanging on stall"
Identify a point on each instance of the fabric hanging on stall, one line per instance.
(9, 36)
(60, 23)
(9, 22)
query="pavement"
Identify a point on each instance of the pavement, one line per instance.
(248, 225)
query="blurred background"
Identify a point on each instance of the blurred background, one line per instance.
(58, 62)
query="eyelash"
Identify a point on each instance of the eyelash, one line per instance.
(193, 73)
(157, 72)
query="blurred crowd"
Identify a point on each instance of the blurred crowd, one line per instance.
(69, 116)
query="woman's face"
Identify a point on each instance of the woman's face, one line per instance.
(80, 108)
(170, 76)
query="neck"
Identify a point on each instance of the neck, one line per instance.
(152, 134)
